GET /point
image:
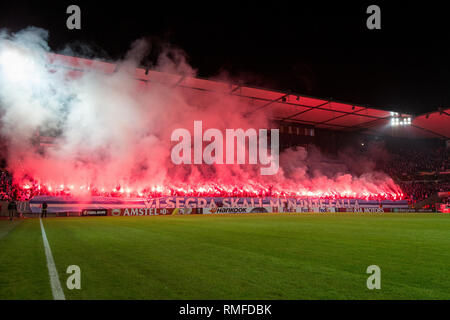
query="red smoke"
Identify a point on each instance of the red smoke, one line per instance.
(112, 133)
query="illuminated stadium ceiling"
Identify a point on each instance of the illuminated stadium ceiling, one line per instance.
(319, 113)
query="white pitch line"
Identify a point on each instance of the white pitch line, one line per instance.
(57, 291)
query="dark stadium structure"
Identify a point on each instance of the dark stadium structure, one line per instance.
(286, 108)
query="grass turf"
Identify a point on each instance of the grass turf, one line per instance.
(266, 256)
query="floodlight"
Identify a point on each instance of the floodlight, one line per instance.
(16, 65)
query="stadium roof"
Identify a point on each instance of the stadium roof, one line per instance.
(434, 124)
(285, 106)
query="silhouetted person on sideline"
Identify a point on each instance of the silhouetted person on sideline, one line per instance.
(44, 210)
(12, 208)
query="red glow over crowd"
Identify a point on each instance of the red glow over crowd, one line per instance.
(29, 190)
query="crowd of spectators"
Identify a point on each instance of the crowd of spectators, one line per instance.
(419, 190)
(420, 172)
(6, 188)
(10, 191)
(409, 162)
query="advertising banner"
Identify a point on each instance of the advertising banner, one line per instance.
(222, 210)
(188, 205)
(88, 212)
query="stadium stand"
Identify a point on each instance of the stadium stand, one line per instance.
(421, 170)
(419, 157)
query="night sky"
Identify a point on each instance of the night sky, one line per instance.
(319, 49)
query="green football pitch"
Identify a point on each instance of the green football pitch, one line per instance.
(255, 256)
